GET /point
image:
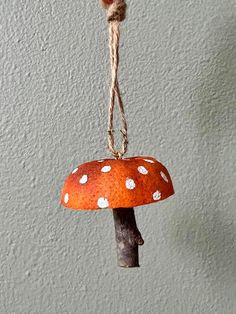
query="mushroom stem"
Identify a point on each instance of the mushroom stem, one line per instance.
(128, 237)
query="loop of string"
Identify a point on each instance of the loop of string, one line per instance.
(115, 14)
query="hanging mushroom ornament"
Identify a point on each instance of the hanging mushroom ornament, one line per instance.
(118, 183)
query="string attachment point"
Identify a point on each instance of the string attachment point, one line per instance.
(106, 3)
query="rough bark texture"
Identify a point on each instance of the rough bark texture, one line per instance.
(128, 237)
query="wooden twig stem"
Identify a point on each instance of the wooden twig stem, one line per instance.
(128, 237)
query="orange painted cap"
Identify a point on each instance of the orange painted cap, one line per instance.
(114, 183)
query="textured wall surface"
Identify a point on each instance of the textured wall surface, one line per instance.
(178, 79)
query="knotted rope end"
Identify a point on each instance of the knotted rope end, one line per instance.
(116, 10)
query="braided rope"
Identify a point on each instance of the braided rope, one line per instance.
(115, 14)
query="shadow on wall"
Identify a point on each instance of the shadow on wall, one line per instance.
(208, 231)
(211, 239)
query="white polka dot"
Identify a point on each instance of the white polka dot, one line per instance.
(149, 160)
(106, 169)
(130, 184)
(157, 195)
(101, 160)
(75, 170)
(66, 198)
(83, 179)
(102, 202)
(142, 170)
(164, 176)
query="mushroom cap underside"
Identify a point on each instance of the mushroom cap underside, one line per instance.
(114, 183)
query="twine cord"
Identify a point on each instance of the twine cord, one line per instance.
(115, 14)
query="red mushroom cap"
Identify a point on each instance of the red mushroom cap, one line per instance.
(115, 183)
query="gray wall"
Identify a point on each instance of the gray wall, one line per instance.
(178, 77)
